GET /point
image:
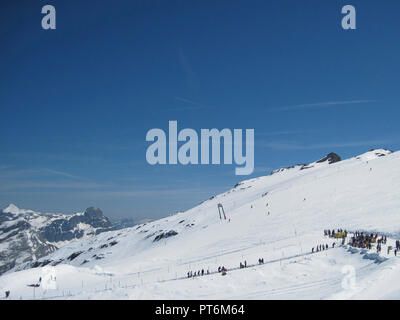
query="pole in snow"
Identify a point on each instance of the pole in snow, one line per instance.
(221, 208)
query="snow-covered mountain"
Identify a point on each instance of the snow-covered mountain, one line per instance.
(26, 235)
(279, 218)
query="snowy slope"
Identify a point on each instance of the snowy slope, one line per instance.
(279, 217)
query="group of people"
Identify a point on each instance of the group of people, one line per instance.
(201, 272)
(380, 241)
(244, 265)
(222, 270)
(334, 234)
(364, 240)
(321, 247)
(358, 240)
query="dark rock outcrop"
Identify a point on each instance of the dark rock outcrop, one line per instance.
(331, 158)
(165, 235)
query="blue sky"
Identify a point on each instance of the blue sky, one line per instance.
(76, 103)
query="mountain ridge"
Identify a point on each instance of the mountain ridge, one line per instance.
(26, 235)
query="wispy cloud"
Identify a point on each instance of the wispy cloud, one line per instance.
(153, 193)
(325, 104)
(103, 192)
(284, 145)
(189, 105)
(42, 179)
(59, 157)
(283, 133)
(36, 172)
(35, 185)
(61, 173)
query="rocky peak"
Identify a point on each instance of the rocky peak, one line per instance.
(12, 208)
(331, 158)
(96, 218)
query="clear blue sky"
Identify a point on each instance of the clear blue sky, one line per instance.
(76, 102)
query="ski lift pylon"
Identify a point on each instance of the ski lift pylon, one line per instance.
(221, 208)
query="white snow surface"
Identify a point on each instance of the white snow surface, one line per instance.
(279, 217)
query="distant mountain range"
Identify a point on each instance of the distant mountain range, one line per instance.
(26, 235)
